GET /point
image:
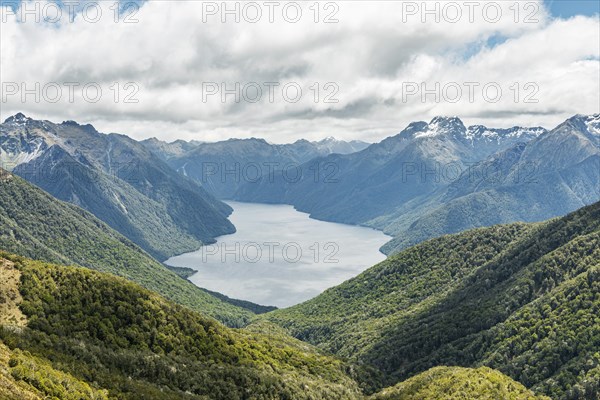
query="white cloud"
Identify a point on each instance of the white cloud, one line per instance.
(371, 54)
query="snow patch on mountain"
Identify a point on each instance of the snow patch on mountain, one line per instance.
(442, 126)
(19, 119)
(593, 124)
(480, 132)
(9, 160)
(182, 169)
(120, 203)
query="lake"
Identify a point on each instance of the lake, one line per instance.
(281, 257)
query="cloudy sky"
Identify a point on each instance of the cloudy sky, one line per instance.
(286, 70)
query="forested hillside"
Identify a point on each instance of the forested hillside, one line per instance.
(455, 383)
(90, 335)
(26, 377)
(136, 345)
(523, 299)
(36, 225)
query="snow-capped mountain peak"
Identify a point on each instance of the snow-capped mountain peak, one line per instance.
(23, 139)
(17, 119)
(592, 122)
(588, 125)
(480, 132)
(328, 139)
(442, 126)
(331, 145)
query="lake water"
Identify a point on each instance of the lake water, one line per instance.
(281, 257)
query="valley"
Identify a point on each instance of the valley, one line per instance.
(281, 257)
(443, 177)
(127, 275)
(312, 200)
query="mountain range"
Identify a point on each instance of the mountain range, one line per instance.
(549, 176)
(222, 167)
(441, 177)
(142, 189)
(118, 180)
(428, 180)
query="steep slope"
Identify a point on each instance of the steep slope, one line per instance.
(136, 345)
(520, 298)
(144, 221)
(118, 180)
(35, 224)
(554, 174)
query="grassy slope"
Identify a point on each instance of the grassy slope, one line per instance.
(520, 298)
(36, 225)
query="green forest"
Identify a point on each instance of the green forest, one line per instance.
(523, 299)
(137, 345)
(90, 335)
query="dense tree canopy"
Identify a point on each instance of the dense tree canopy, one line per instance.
(523, 299)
